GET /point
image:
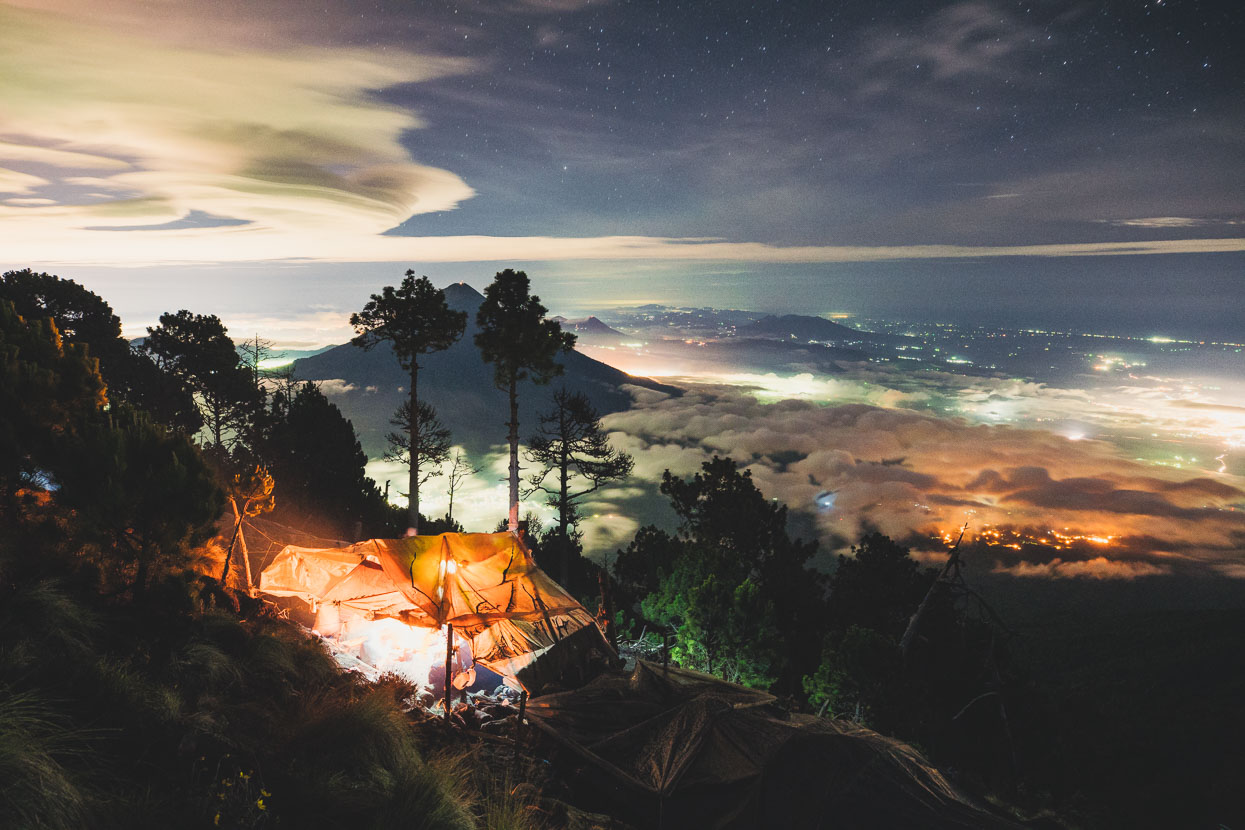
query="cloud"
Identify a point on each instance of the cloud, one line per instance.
(140, 129)
(1168, 222)
(1047, 506)
(289, 140)
(252, 245)
(14, 183)
(1099, 567)
(297, 330)
(49, 157)
(1157, 222)
(965, 40)
(335, 386)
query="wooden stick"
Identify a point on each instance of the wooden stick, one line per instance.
(607, 605)
(953, 561)
(518, 728)
(246, 561)
(240, 538)
(449, 660)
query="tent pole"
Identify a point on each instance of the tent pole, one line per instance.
(449, 659)
(518, 728)
(246, 561)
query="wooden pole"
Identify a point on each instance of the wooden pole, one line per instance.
(518, 728)
(449, 661)
(246, 554)
(953, 562)
(607, 605)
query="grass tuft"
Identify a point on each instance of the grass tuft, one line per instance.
(39, 789)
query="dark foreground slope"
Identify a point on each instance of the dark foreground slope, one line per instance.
(668, 747)
(371, 385)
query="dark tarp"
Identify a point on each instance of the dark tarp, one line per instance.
(681, 749)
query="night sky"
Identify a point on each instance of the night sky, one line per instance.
(908, 157)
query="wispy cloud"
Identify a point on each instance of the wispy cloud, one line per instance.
(137, 130)
(248, 244)
(290, 141)
(1168, 222)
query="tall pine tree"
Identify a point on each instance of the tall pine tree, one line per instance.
(572, 445)
(415, 320)
(521, 344)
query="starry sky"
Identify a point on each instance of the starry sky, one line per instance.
(276, 161)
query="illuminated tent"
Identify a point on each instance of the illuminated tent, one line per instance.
(486, 585)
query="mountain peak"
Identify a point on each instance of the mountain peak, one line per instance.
(589, 326)
(462, 297)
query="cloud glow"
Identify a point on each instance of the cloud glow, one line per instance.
(1050, 507)
(123, 131)
(106, 150)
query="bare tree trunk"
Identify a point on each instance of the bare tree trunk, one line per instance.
(246, 555)
(563, 513)
(607, 605)
(953, 561)
(217, 419)
(412, 520)
(514, 454)
(237, 527)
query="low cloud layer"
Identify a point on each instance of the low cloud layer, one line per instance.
(1051, 479)
(1051, 506)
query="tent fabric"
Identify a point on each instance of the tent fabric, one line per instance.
(307, 573)
(367, 588)
(484, 584)
(685, 749)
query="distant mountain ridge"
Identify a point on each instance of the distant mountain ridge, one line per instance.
(369, 386)
(804, 328)
(277, 353)
(591, 328)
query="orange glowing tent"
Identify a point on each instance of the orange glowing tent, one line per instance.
(485, 585)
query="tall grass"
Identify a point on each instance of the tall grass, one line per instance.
(39, 789)
(356, 762)
(41, 623)
(192, 712)
(500, 809)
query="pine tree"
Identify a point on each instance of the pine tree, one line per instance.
(415, 320)
(314, 455)
(423, 442)
(146, 492)
(573, 446)
(196, 349)
(85, 319)
(48, 391)
(521, 344)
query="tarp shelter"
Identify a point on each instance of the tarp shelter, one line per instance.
(677, 748)
(484, 584)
